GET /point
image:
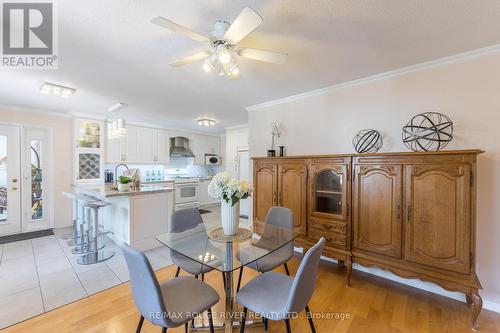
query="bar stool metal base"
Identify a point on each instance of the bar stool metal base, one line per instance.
(86, 248)
(95, 257)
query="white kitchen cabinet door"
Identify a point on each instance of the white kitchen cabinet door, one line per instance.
(114, 150)
(212, 145)
(147, 144)
(162, 146)
(196, 146)
(130, 149)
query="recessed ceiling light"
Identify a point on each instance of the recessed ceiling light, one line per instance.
(206, 122)
(55, 89)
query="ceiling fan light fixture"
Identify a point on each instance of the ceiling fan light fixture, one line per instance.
(223, 54)
(207, 66)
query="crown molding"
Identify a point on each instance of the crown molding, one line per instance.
(236, 127)
(460, 57)
(37, 111)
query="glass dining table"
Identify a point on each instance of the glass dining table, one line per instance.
(226, 256)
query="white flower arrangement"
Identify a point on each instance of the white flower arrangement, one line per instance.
(231, 190)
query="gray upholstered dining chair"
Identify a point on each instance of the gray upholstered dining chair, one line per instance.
(276, 296)
(280, 217)
(182, 220)
(168, 304)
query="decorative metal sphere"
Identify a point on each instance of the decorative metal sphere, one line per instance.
(429, 131)
(367, 141)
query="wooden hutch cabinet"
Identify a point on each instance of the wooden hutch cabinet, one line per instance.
(413, 214)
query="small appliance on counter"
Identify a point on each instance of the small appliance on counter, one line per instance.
(212, 160)
(108, 176)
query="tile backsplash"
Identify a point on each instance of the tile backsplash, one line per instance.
(161, 172)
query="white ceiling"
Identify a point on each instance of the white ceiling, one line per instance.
(110, 52)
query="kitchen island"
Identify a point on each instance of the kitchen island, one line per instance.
(134, 217)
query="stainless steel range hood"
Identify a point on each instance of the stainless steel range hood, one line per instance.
(179, 147)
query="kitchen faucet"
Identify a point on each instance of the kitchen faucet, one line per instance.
(116, 170)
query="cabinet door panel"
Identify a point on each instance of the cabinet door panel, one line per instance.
(438, 216)
(377, 196)
(329, 191)
(162, 146)
(131, 148)
(292, 193)
(265, 183)
(147, 142)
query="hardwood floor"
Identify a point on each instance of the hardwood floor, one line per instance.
(373, 305)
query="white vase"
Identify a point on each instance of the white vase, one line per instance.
(123, 187)
(230, 216)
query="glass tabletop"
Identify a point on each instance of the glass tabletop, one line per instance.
(223, 256)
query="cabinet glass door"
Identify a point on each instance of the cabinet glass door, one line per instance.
(329, 192)
(89, 134)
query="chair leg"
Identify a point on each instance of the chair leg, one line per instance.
(186, 327)
(309, 317)
(243, 320)
(203, 277)
(286, 269)
(287, 325)
(239, 279)
(163, 330)
(265, 321)
(177, 272)
(139, 325)
(210, 321)
(224, 280)
(196, 276)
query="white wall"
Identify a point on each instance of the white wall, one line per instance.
(62, 172)
(467, 90)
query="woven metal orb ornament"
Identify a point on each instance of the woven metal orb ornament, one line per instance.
(429, 131)
(367, 141)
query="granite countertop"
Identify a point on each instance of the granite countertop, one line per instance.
(106, 191)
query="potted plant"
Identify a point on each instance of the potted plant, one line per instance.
(230, 191)
(124, 183)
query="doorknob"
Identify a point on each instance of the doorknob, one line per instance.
(14, 180)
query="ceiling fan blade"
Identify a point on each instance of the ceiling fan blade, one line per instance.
(192, 58)
(172, 26)
(244, 24)
(261, 55)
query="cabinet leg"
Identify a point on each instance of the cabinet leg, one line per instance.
(348, 272)
(477, 305)
(468, 299)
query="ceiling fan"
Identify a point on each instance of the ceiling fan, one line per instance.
(224, 51)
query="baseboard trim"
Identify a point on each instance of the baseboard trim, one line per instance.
(416, 283)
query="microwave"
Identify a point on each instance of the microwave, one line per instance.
(211, 159)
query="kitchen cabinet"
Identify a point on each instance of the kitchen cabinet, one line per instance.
(413, 214)
(139, 145)
(201, 145)
(89, 150)
(203, 197)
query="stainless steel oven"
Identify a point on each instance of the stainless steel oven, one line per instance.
(186, 193)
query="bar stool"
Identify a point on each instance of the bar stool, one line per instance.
(73, 235)
(96, 254)
(83, 242)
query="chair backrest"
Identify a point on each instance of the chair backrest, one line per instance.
(185, 219)
(145, 287)
(280, 216)
(303, 283)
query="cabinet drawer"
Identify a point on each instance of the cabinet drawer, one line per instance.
(331, 239)
(337, 227)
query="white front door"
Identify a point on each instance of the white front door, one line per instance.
(10, 186)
